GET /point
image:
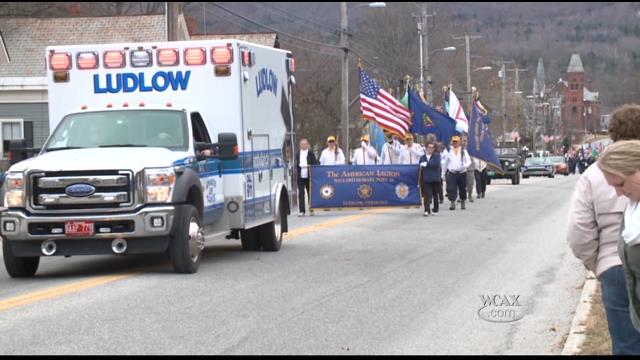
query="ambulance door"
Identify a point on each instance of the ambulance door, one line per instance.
(210, 174)
(262, 175)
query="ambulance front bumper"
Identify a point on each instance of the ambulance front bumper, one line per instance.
(156, 221)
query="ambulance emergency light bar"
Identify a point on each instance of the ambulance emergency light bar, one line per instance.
(116, 59)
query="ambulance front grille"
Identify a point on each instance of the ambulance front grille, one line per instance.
(94, 190)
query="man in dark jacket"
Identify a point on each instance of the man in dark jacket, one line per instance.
(305, 158)
(431, 178)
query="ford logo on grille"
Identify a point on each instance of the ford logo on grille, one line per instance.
(80, 190)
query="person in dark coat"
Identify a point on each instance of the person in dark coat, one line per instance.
(305, 158)
(431, 178)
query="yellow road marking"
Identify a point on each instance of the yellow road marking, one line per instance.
(30, 298)
(331, 223)
(33, 297)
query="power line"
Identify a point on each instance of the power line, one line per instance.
(303, 40)
(276, 30)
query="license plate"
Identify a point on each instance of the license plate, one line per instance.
(491, 173)
(79, 228)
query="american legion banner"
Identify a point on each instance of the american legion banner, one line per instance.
(344, 186)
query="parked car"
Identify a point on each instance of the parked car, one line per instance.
(560, 164)
(538, 166)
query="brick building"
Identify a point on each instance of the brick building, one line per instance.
(580, 105)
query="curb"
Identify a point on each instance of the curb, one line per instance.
(577, 333)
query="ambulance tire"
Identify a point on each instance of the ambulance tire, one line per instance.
(271, 233)
(249, 239)
(18, 267)
(187, 240)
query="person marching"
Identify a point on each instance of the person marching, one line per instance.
(365, 154)
(332, 155)
(471, 176)
(481, 177)
(430, 164)
(455, 164)
(411, 152)
(305, 158)
(391, 151)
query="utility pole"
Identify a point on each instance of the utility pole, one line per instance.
(467, 39)
(173, 11)
(345, 77)
(517, 70)
(503, 72)
(423, 31)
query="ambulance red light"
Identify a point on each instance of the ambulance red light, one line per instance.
(247, 57)
(222, 55)
(109, 105)
(125, 104)
(291, 65)
(83, 107)
(114, 59)
(168, 57)
(169, 104)
(195, 56)
(141, 104)
(87, 60)
(60, 61)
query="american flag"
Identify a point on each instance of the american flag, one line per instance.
(379, 106)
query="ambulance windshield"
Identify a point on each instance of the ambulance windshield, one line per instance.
(122, 128)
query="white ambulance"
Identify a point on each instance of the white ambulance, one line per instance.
(131, 166)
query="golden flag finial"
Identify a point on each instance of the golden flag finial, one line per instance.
(359, 63)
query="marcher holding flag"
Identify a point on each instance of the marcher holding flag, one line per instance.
(455, 164)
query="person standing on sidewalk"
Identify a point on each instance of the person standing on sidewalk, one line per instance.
(430, 165)
(304, 160)
(595, 218)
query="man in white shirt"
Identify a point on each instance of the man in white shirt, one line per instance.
(454, 165)
(304, 159)
(411, 152)
(365, 154)
(332, 155)
(391, 151)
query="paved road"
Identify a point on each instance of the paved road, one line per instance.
(357, 282)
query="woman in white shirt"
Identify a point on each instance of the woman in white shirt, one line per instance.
(332, 155)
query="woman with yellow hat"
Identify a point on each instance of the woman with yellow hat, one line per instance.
(332, 155)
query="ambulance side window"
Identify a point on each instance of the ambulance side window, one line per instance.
(200, 133)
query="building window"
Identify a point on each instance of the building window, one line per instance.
(10, 129)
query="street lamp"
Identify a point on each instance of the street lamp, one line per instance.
(344, 43)
(427, 70)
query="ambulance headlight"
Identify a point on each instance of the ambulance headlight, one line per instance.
(14, 192)
(159, 184)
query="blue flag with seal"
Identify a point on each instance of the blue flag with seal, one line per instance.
(348, 186)
(480, 139)
(427, 120)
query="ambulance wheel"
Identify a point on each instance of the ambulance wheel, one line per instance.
(187, 242)
(271, 233)
(249, 239)
(18, 267)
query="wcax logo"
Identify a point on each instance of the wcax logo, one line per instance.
(501, 308)
(130, 82)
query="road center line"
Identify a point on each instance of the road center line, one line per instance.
(33, 297)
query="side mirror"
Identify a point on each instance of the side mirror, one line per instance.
(17, 150)
(227, 146)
